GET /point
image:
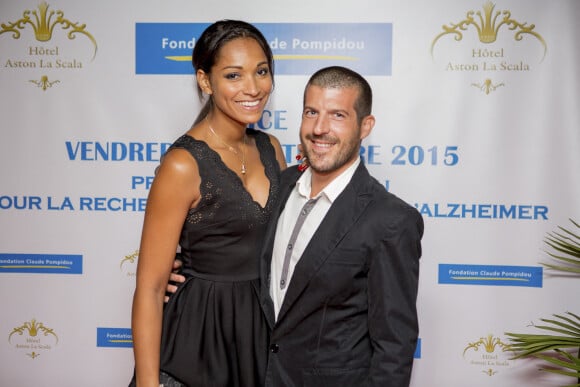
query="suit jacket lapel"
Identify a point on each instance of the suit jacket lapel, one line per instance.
(343, 213)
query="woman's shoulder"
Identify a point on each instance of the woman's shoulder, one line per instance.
(179, 159)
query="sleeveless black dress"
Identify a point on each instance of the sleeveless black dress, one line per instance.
(214, 332)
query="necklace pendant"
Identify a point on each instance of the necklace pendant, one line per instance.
(243, 169)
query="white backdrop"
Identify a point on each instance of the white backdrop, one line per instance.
(483, 137)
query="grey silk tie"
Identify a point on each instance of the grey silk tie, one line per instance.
(299, 222)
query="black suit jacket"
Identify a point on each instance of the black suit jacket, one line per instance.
(349, 316)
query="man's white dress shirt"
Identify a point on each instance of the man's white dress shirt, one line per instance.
(299, 196)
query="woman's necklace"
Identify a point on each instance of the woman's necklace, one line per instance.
(231, 148)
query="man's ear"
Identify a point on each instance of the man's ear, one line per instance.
(204, 82)
(367, 126)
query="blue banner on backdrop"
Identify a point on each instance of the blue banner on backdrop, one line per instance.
(530, 276)
(114, 337)
(417, 354)
(41, 263)
(299, 48)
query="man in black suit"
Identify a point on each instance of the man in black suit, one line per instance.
(340, 262)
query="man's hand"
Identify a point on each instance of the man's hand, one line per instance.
(174, 278)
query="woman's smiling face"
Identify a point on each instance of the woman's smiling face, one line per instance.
(240, 81)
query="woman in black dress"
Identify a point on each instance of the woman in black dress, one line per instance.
(212, 195)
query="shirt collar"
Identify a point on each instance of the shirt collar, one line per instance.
(332, 190)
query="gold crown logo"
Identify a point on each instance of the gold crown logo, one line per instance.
(33, 328)
(130, 258)
(43, 22)
(489, 344)
(488, 25)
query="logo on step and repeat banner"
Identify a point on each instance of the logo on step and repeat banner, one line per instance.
(41, 263)
(114, 337)
(491, 275)
(489, 355)
(488, 44)
(48, 43)
(33, 338)
(128, 264)
(298, 48)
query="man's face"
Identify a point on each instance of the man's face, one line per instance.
(329, 132)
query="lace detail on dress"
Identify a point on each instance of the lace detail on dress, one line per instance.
(220, 184)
